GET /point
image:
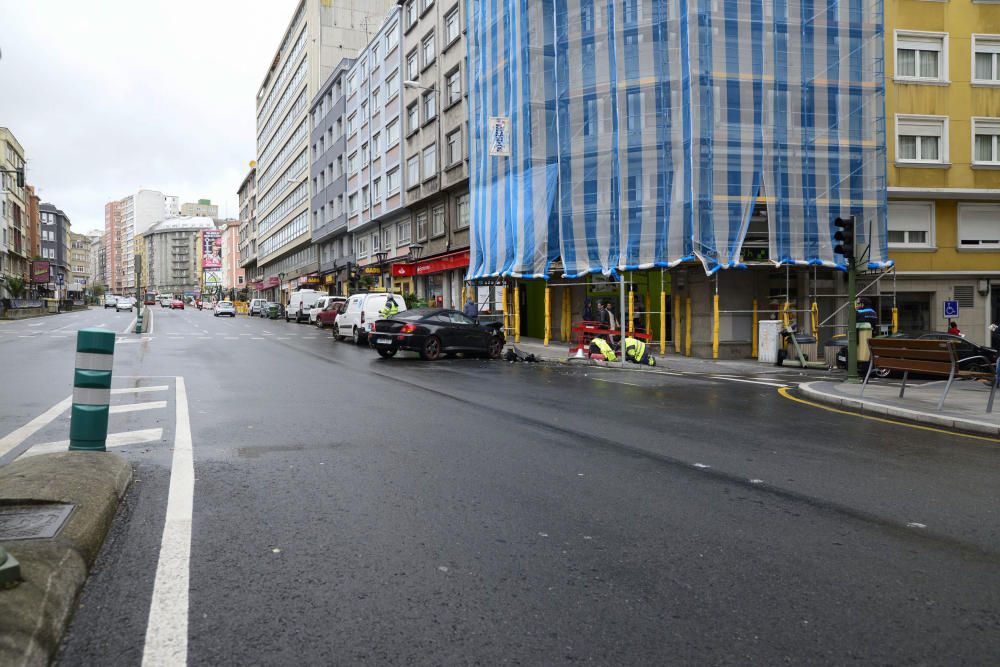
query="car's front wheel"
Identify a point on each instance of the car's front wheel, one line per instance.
(356, 335)
(431, 351)
(386, 352)
(495, 347)
(336, 333)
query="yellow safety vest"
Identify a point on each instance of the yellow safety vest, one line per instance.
(602, 345)
(634, 348)
(390, 309)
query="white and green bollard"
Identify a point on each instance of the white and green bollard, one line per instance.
(95, 354)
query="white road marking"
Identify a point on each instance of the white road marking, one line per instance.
(232, 337)
(167, 627)
(139, 390)
(114, 440)
(258, 338)
(732, 379)
(36, 324)
(130, 326)
(914, 524)
(58, 336)
(756, 481)
(702, 465)
(281, 338)
(246, 334)
(631, 384)
(31, 336)
(16, 437)
(138, 407)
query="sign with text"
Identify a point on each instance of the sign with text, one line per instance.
(40, 272)
(499, 136)
(211, 249)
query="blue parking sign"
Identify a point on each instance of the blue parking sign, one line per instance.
(950, 309)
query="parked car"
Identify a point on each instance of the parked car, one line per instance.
(271, 310)
(166, 300)
(124, 303)
(321, 303)
(971, 357)
(255, 306)
(433, 332)
(328, 315)
(225, 308)
(359, 313)
(177, 304)
(300, 303)
(110, 300)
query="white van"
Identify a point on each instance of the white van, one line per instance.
(359, 313)
(299, 304)
(256, 306)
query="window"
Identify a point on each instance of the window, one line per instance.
(921, 56)
(375, 244)
(454, 140)
(376, 145)
(979, 226)
(986, 141)
(338, 209)
(986, 59)
(411, 13)
(352, 123)
(412, 65)
(451, 29)
(392, 181)
(362, 243)
(425, 4)
(634, 105)
(352, 84)
(387, 238)
(352, 162)
(437, 221)
(462, 206)
(412, 118)
(365, 201)
(392, 85)
(430, 105)
(391, 37)
(391, 133)
(412, 171)
(375, 96)
(428, 48)
(376, 189)
(403, 233)
(430, 161)
(911, 224)
(453, 83)
(364, 155)
(352, 204)
(922, 139)
(422, 226)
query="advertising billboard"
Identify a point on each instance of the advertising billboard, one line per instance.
(211, 249)
(40, 271)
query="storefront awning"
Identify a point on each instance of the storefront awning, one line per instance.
(455, 260)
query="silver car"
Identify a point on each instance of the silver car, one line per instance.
(225, 308)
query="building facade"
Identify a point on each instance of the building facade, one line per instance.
(15, 250)
(435, 173)
(34, 221)
(319, 35)
(233, 275)
(202, 208)
(174, 254)
(125, 220)
(55, 247)
(79, 258)
(96, 262)
(943, 101)
(247, 194)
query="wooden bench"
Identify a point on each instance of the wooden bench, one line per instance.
(932, 357)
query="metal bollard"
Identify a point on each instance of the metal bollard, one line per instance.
(88, 428)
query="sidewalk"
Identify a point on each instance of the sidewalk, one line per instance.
(965, 409)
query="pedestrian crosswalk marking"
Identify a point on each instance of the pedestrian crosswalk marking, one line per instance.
(136, 407)
(114, 440)
(139, 390)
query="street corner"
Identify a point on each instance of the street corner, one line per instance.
(55, 512)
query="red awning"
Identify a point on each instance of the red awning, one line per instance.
(455, 260)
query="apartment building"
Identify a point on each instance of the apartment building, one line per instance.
(55, 247)
(436, 173)
(34, 221)
(247, 194)
(233, 275)
(328, 174)
(202, 208)
(124, 221)
(79, 257)
(174, 254)
(96, 261)
(943, 114)
(376, 219)
(14, 235)
(319, 35)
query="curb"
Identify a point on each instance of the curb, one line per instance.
(871, 407)
(34, 615)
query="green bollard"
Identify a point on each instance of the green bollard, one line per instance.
(88, 428)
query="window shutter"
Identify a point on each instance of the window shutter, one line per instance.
(965, 295)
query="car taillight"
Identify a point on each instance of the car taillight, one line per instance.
(408, 328)
(373, 326)
(362, 317)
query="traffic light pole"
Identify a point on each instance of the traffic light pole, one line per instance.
(852, 322)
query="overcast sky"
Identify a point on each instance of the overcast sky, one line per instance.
(109, 96)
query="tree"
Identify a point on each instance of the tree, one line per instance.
(16, 286)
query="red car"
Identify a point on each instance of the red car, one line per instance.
(176, 303)
(326, 317)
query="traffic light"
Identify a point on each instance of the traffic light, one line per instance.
(844, 237)
(20, 177)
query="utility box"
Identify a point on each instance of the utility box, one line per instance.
(768, 341)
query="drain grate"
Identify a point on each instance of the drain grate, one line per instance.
(32, 522)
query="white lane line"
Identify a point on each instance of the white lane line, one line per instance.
(139, 390)
(732, 379)
(16, 437)
(31, 336)
(137, 407)
(631, 384)
(232, 338)
(702, 466)
(258, 338)
(281, 338)
(37, 324)
(246, 334)
(167, 627)
(114, 440)
(130, 326)
(58, 336)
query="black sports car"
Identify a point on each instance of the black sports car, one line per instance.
(435, 331)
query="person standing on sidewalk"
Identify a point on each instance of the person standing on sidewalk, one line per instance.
(470, 310)
(953, 328)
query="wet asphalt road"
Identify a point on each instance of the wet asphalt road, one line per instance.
(349, 509)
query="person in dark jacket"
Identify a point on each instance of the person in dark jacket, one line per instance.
(470, 310)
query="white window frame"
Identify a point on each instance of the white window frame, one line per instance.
(428, 103)
(390, 176)
(915, 38)
(403, 239)
(361, 243)
(437, 222)
(977, 247)
(413, 64)
(925, 121)
(392, 133)
(453, 14)
(423, 161)
(448, 145)
(412, 180)
(994, 49)
(392, 36)
(454, 75)
(428, 43)
(993, 127)
(917, 207)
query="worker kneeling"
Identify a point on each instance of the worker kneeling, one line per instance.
(601, 347)
(637, 352)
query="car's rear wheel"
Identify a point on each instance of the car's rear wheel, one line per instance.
(495, 348)
(386, 352)
(431, 351)
(336, 333)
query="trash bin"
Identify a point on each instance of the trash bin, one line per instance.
(53, 305)
(864, 335)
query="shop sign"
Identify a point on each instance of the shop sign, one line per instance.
(309, 280)
(457, 260)
(402, 270)
(328, 279)
(40, 272)
(273, 281)
(372, 270)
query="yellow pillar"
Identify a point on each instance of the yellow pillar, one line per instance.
(715, 326)
(463, 295)
(663, 320)
(506, 312)
(814, 314)
(785, 314)
(517, 313)
(677, 324)
(649, 315)
(548, 317)
(895, 320)
(753, 334)
(687, 327)
(631, 312)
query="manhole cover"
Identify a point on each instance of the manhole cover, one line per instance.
(32, 522)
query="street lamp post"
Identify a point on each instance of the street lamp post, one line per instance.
(416, 250)
(281, 279)
(380, 258)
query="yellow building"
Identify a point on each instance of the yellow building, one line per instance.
(943, 140)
